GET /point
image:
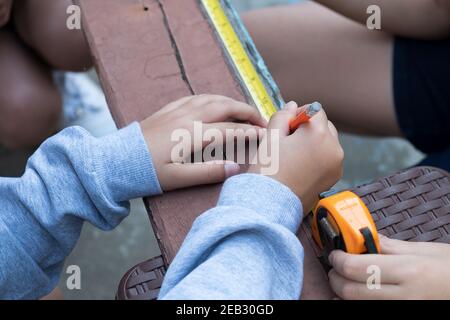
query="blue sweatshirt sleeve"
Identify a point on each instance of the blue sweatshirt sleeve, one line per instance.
(245, 248)
(71, 178)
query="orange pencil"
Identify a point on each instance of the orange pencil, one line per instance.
(304, 116)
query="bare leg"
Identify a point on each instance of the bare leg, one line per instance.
(42, 26)
(316, 54)
(30, 106)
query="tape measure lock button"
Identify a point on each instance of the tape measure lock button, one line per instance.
(327, 194)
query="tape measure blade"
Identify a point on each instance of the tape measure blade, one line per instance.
(255, 56)
(240, 57)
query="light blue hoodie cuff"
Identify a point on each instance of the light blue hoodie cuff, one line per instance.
(266, 196)
(124, 165)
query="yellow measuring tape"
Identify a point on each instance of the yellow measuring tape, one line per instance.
(240, 58)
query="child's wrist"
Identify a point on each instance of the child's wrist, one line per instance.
(264, 195)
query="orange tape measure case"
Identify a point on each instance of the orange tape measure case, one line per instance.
(341, 221)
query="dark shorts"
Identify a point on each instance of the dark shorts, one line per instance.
(422, 92)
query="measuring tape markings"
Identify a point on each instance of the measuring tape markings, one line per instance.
(241, 59)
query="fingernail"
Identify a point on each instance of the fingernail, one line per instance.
(291, 105)
(331, 258)
(316, 106)
(231, 169)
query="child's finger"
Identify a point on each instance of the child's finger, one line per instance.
(192, 102)
(174, 105)
(215, 134)
(333, 129)
(281, 119)
(187, 175)
(203, 99)
(355, 267)
(231, 130)
(225, 110)
(354, 290)
(397, 247)
(318, 122)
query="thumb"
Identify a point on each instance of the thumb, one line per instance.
(195, 174)
(280, 120)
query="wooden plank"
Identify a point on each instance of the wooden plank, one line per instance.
(149, 53)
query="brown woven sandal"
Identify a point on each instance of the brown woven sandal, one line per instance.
(411, 205)
(143, 281)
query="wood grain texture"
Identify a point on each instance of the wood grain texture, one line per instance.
(149, 53)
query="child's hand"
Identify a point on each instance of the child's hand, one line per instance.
(310, 159)
(215, 112)
(409, 270)
(5, 11)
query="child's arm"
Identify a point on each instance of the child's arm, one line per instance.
(74, 177)
(71, 178)
(246, 247)
(5, 11)
(427, 19)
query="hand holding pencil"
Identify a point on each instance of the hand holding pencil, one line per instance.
(304, 115)
(308, 160)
